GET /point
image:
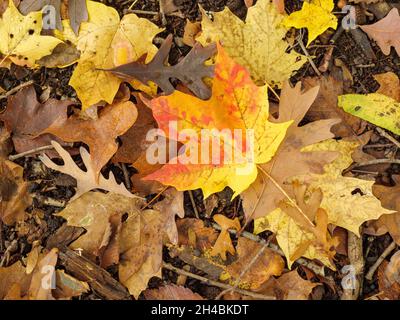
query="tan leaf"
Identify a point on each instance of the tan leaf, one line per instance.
(386, 32)
(171, 292)
(389, 85)
(224, 242)
(13, 191)
(268, 264)
(68, 287)
(86, 181)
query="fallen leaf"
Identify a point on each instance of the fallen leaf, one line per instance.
(344, 207)
(43, 277)
(385, 32)
(263, 195)
(192, 29)
(256, 44)
(14, 192)
(192, 232)
(325, 106)
(224, 242)
(289, 286)
(133, 142)
(9, 276)
(191, 70)
(93, 211)
(24, 45)
(27, 118)
(4, 5)
(86, 180)
(171, 292)
(389, 197)
(268, 264)
(389, 85)
(68, 287)
(316, 16)
(237, 103)
(105, 41)
(99, 134)
(376, 108)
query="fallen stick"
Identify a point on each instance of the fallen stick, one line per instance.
(216, 283)
(378, 262)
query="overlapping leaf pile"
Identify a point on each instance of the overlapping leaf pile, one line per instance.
(296, 184)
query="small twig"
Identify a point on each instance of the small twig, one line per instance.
(196, 212)
(378, 262)
(155, 198)
(319, 270)
(50, 201)
(303, 48)
(375, 161)
(162, 13)
(126, 176)
(216, 283)
(133, 4)
(386, 135)
(17, 88)
(30, 152)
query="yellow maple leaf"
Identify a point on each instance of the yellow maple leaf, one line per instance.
(20, 38)
(316, 16)
(290, 237)
(345, 209)
(105, 41)
(236, 104)
(256, 44)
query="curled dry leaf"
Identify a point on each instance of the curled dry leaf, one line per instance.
(171, 292)
(85, 180)
(253, 275)
(224, 242)
(191, 70)
(27, 118)
(99, 134)
(13, 192)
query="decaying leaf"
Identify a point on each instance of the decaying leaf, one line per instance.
(192, 232)
(68, 287)
(13, 192)
(24, 45)
(268, 264)
(289, 286)
(171, 292)
(190, 70)
(86, 180)
(224, 242)
(385, 32)
(27, 118)
(389, 85)
(99, 134)
(256, 44)
(94, 211)
(236, 103)
(390, 199)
